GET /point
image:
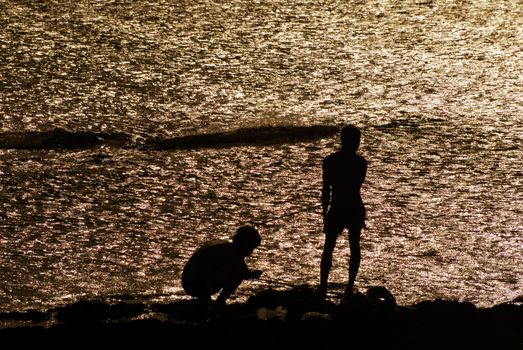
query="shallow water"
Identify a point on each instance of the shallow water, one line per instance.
(435, 87)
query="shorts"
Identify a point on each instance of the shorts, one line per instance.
(353, 219)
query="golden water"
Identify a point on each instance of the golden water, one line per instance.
(435, 86)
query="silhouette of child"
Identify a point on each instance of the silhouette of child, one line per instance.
(219, 266)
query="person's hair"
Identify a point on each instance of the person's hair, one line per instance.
(247, 235)
(350, 137)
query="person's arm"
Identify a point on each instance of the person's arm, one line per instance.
(326, 189)
(253, 274)
(363, 172)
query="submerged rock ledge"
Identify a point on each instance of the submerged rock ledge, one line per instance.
(264, 135)
(294, 319)
(72, 140)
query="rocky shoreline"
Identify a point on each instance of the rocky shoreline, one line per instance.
(294, 319)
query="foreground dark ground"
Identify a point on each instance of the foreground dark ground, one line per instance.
(294, 319)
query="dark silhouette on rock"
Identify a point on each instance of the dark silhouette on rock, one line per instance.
(344, 172)
(219, 267)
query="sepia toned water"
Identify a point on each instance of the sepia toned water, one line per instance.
(435, 86)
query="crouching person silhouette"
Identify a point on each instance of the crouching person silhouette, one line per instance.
(219, 266)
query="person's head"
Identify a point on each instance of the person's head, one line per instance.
(350, 138)
(247, 238)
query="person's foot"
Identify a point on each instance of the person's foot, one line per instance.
(322, 292)
(349, 292)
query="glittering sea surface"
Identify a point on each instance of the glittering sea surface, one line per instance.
(436, 87)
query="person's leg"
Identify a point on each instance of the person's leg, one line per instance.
(196, 289)
(326, 261)
(332, 231)
(226, 279)
(229, 287)
(355, 258)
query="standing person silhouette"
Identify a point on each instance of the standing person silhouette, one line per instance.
(344, 172)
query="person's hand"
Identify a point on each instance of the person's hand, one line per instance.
(255, 274)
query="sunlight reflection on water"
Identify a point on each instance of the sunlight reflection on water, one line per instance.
(435, 86)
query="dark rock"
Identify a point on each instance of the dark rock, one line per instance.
(293, 319)
(87, 311)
